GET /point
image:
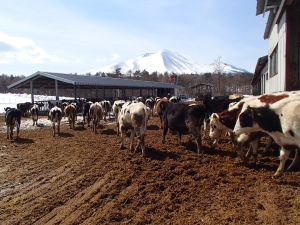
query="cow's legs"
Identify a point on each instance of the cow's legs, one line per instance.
(254, 145)
(284, 155)
(296, 161)
(58, 126)
(270, 141)
(7, 131)
(178, 138)
(142, 144)
(122, 134)
(18, 129)
(131, 140)
(234, 145)
(165, 130)
(216, 141)
(53, 128)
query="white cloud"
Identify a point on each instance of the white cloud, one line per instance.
(113, 57)
(78, 61)
(23, 50)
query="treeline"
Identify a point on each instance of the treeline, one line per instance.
(223, 83)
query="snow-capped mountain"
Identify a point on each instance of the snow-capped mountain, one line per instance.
(165, 61)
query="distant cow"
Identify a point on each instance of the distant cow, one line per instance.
(160, 109)
(106, 107)
(70, 112)
(12, 119)
(34, 114)
(96, 115)
(86, 113)
(117, 106)
(150, 102)
(55, 115)
(133, 117)
(24, 108)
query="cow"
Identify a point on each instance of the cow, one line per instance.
(55, 115)
(86, 113)
(279, 118)
(34, 114)
(225, 121)
(116, 109)
(24, 108)
(70, 112)
(160, 109)
(183, 118)
(133, 117)
(150, 102)
(96, 115)
(174, 99)
(106, 106)
(64, 105)
(12, 119)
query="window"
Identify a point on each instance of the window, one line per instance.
(274, 62)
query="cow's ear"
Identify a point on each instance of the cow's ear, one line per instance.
(215, 118)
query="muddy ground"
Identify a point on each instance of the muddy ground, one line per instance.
(80, 177)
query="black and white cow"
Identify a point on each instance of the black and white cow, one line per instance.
(106, 106)
(86, 113)
(133, 117)
(34, 114)
(280, 119)
(12, 119)
(150, 102)
(55, 115)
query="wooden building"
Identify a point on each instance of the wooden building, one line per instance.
(280, 69)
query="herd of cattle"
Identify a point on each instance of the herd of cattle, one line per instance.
(247, 119)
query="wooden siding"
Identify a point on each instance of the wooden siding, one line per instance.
(293, 48)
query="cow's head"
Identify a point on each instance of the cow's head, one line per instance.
(217, 128)
(246, 122)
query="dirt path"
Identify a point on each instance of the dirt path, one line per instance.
(84, 178)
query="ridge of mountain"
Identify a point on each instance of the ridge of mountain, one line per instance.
(165, 61)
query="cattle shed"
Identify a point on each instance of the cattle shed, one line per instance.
(83, 86)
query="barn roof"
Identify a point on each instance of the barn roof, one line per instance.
(46, 80)
(261, 62)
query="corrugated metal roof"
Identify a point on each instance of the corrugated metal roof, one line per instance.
(47, 80)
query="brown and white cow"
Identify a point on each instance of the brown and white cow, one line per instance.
(70, 112)
(280, 119)
(55, 115)
(12, 119)
(133, 117)
(96, 115)
(225, 121)
(34, 114)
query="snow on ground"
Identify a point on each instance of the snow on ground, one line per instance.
(11, 100)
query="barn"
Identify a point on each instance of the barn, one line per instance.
(83, 86)
(279, 70)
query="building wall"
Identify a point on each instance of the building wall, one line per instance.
(277, 40)
(263, 80)
(293, 48)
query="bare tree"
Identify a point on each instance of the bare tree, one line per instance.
(218, 69)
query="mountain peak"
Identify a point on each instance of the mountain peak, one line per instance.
(164, 61)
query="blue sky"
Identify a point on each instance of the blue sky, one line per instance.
(80, 35)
